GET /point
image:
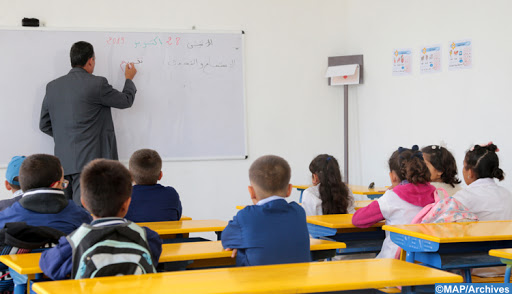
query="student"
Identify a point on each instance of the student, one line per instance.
(12, 181)
(483, 196)
(328, 195)
(151, 202)
(43, 202)
(272, 231)
(410, 177)
(443, 169)
(106, 190)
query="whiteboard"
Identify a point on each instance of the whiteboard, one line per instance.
(190, 101)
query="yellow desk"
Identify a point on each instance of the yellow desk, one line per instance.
(287, 278)
(506, 257)
(183, 218)
(171, 228)
(370, 193)
(28, 264)
(340, 228)
(337, 221)
(361, 204)
(356, 189)
(435, 244)
(456, 232)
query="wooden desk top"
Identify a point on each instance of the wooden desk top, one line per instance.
(184, 227)
(362, 203)
(284, 278)
(502, 253)
(27, 264)
(457, 232)
(335, 221)
(356, 189)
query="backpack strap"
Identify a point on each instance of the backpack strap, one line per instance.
(436, 195)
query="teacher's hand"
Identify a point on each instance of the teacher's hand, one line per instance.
(130, 71)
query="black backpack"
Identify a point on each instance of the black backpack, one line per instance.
(18, 238)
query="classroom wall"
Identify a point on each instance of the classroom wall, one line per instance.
(458, 107)
(291, 111)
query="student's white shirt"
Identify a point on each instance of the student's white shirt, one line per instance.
(268, 199)
(312, 203)
(396, 212)
(487, 200)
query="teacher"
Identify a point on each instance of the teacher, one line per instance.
(76, 113)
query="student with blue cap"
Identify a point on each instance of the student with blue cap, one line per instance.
(12, 182)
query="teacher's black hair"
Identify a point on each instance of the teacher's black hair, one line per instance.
(80, 53)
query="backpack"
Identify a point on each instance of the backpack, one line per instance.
(447, 210)
(113, 250)
(18, 238)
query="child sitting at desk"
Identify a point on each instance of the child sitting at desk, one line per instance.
(483, 196)
(410, 178)
(111, 245)
(151, 202)
(43, 202)
(443, 169)
(12, 181)
(328, 195)
(272, 231)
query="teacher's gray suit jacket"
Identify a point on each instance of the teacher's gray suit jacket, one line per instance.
(76, 113)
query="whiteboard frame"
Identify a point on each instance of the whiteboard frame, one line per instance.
(160, 30)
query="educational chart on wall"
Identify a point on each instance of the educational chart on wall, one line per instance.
(430, 59)
(402, 62)
(460, 55)
(189, 104)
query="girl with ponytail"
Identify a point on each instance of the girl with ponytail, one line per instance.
(411, 191)
(328, 195)
(483, 196)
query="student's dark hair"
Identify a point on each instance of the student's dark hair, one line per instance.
(105, 185)
(484, 161)
(145, 166)
(80, 52)
(443, 161)
(409, 165)
(15, 187)
(271, 174)
(333, 192)
(39, 171)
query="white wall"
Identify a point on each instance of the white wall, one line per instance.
(459, 107)
(291, 111)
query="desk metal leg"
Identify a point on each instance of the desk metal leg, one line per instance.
(467, 275)
(507, 274)
(301, 191)
(409, 257)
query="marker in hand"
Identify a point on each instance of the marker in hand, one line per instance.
(130, 71)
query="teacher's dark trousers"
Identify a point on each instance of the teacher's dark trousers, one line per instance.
(73, 190)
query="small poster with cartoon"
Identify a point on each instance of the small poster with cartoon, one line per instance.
(430, 59)
(402, 62)
(460, 55)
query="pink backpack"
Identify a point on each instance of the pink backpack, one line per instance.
(447, 210)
